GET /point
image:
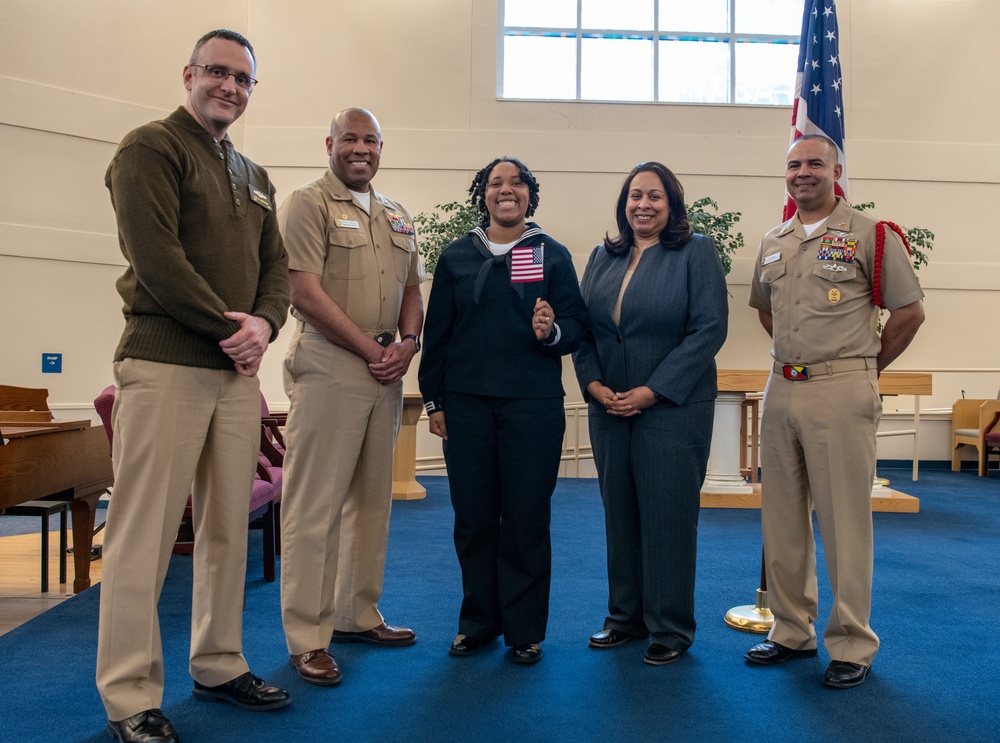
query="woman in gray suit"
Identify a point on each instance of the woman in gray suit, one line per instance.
(658, 308)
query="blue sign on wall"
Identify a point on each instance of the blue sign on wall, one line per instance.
(51, 363)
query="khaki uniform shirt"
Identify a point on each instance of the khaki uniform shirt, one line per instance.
(364, 261)
(819, 289)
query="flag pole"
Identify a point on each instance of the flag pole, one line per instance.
(818, 109)
(757, 617)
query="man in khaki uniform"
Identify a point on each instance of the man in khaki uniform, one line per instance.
(813, 287)
(355, 279)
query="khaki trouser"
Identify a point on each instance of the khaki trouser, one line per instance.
(177, 430)
(818, 451)
(337, 492)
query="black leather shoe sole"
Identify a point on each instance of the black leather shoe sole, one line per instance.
(218, 696)
(609, 638)
(660, 655)
(844, 675)
(140, 736)
(399, 640)
(770, 653)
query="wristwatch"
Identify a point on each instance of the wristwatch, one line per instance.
(416, 339)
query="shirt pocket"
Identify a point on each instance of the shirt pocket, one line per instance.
(347, 254)
(402, 254)
(835, 272)
(770, 276)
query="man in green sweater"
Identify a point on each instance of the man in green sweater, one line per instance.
(205, 292)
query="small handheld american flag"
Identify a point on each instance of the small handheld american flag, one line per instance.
(527, 263)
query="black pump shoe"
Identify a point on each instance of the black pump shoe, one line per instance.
(527, 653)
(660, 655)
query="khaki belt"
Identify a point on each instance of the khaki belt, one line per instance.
(382, 337)
(803, 373)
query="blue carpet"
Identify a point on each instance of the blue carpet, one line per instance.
(934, 678)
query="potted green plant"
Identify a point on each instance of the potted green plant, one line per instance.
(450, 221)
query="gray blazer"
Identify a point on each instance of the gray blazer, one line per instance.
(674, 319)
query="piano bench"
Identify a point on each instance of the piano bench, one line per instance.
(46, 508)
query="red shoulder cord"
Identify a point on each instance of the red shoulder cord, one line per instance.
(879, 250)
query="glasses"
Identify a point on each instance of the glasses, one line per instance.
(222, 74)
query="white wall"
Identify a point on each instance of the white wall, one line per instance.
(75, 75)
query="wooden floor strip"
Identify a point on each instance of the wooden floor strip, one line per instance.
(21, 596)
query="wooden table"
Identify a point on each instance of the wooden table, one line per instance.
(724, 485)
(404, 457)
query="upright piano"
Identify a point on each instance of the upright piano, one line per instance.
(42, 458)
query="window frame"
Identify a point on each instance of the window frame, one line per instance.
(579, 33)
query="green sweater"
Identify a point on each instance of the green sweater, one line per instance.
(196, 224)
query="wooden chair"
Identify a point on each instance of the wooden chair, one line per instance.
(969, 418)
(272, 455)
(991, 434)
(750, 437)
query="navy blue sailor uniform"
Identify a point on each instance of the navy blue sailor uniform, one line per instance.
(502, 394)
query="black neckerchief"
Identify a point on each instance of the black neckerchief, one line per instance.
(481, 241)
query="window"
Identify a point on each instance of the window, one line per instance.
(684, 51)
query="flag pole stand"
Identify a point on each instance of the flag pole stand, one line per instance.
(757, 617)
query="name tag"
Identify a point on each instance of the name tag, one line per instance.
(259, 197)
(771, 259)
(349, 223)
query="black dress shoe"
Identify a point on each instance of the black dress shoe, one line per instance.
(149, 726)
(246, 692)
(609, 638)
(769, 653)
(526, 653)
(660, 655)
(841, 674)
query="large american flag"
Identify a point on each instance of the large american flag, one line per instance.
(819, 85)
(527, 263)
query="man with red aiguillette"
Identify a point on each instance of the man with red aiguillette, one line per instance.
(818, 282)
